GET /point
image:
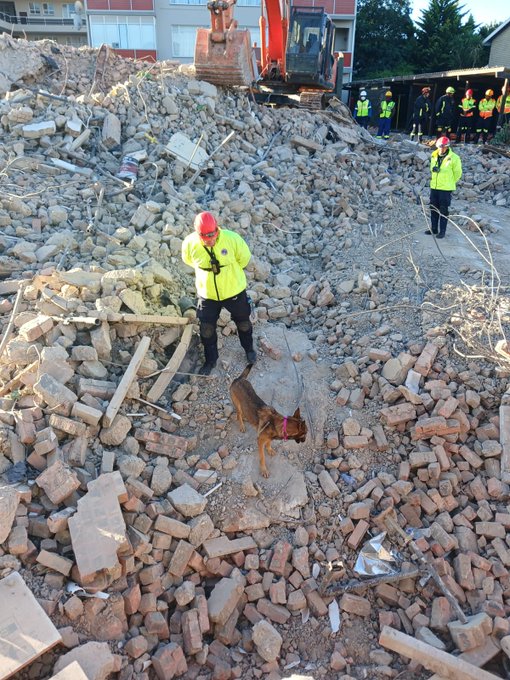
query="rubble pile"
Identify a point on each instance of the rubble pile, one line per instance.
(118, 506)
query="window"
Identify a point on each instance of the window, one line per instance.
(248, 3)
(48, 9)
(68, 10)
(186, 2)
(34, 8)
(123, 32)
(183, 41)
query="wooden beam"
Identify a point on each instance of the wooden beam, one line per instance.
(125, 383)
(444, 664)
(478, 656)
(172, 367)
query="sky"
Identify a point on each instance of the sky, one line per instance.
(483, 11)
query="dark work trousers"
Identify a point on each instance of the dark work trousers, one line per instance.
(208, 312)
(362, 121)
(439, 203)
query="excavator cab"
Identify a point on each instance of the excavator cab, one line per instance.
(309, 58)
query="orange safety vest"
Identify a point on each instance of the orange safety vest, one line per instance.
(507, 103)
(486, 107)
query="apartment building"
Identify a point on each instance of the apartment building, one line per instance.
(37, 20)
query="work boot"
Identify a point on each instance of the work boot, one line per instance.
(429, 232)
(207, 368)
(251, 356)
(439, 235)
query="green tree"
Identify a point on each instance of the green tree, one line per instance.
(384, 34)
(446, 40)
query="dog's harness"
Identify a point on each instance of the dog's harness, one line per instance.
(284, 429)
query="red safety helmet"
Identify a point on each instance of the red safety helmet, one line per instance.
(424, 90)
(469, 93)
(442, 142)
(205, 224)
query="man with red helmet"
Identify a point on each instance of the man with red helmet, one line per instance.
(466, 117)
(219, 257)
(445, 170)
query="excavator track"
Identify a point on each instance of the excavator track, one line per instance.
(313, 100)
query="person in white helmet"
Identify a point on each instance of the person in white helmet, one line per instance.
(363, 110)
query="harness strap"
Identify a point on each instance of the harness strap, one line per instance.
(284, 428)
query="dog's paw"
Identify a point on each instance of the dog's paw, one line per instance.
(264, 472)
(271, 451)
(242, 428)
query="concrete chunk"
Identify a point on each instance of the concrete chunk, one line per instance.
(224, 599)
(267, 640)
(187, 501)
(98, 531)
(58, 482)
(9, 501)
(27, 632)
(54, 393)
(94, 658)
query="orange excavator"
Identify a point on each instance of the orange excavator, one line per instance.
(297, 65)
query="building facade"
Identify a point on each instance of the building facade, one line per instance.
(499, 41)
(37, 20)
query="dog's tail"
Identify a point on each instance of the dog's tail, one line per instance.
(246, 371)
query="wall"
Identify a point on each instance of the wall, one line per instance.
(500, 49)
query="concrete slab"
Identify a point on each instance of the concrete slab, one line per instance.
(26, 632)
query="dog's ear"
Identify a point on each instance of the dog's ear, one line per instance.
(297, 415)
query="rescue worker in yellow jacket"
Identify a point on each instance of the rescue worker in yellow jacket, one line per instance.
(386, 111)
(363, 110)
(445, 171)
(467, 117)
(219, 257)
(486, 117)
(503, 115)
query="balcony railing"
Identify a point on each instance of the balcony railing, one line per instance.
(35, 21)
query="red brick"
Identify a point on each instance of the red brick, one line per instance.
(357, 535)
(274, 612)
(281, 554)
(354, 604)
(191, 632)
(169, 661)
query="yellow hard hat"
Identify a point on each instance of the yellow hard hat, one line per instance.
(489, 93)
(388, 94)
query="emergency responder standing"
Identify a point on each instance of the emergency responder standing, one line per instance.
(486, 108)
(386, 111)
(445, 113)
(503, 115)
(219, 257)
(363, 110)
(421, 114)
(467, 117)
(445, 170)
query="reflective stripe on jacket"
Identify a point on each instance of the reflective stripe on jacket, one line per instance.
(363, 108)
(486, 107)
(233, 255)
(507, 103)
(449, 171)
(387, 109)
(468, 107)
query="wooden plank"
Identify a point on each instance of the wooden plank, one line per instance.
(478, 656)
(125, 383)
(172, 367)
(447, 666)
(504, 439)
(26, 631)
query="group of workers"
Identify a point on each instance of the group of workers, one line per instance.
(472, 120)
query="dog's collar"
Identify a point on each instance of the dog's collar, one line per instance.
(284, 428)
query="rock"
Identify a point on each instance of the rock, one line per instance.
(187, 501)
(117, 432)
(267, 640)
(8, 504)
(95, 659)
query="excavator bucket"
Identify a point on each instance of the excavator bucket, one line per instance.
(229, 62)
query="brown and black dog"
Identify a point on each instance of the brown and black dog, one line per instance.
(268, 422)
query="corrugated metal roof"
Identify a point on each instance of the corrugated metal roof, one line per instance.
(495, 71)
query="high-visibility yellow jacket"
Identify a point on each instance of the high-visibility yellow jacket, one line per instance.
(387, 109)
(468, 107)
(232, 254)
(449, 170)
(486, 107)
(507, 103)
(363, 108)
